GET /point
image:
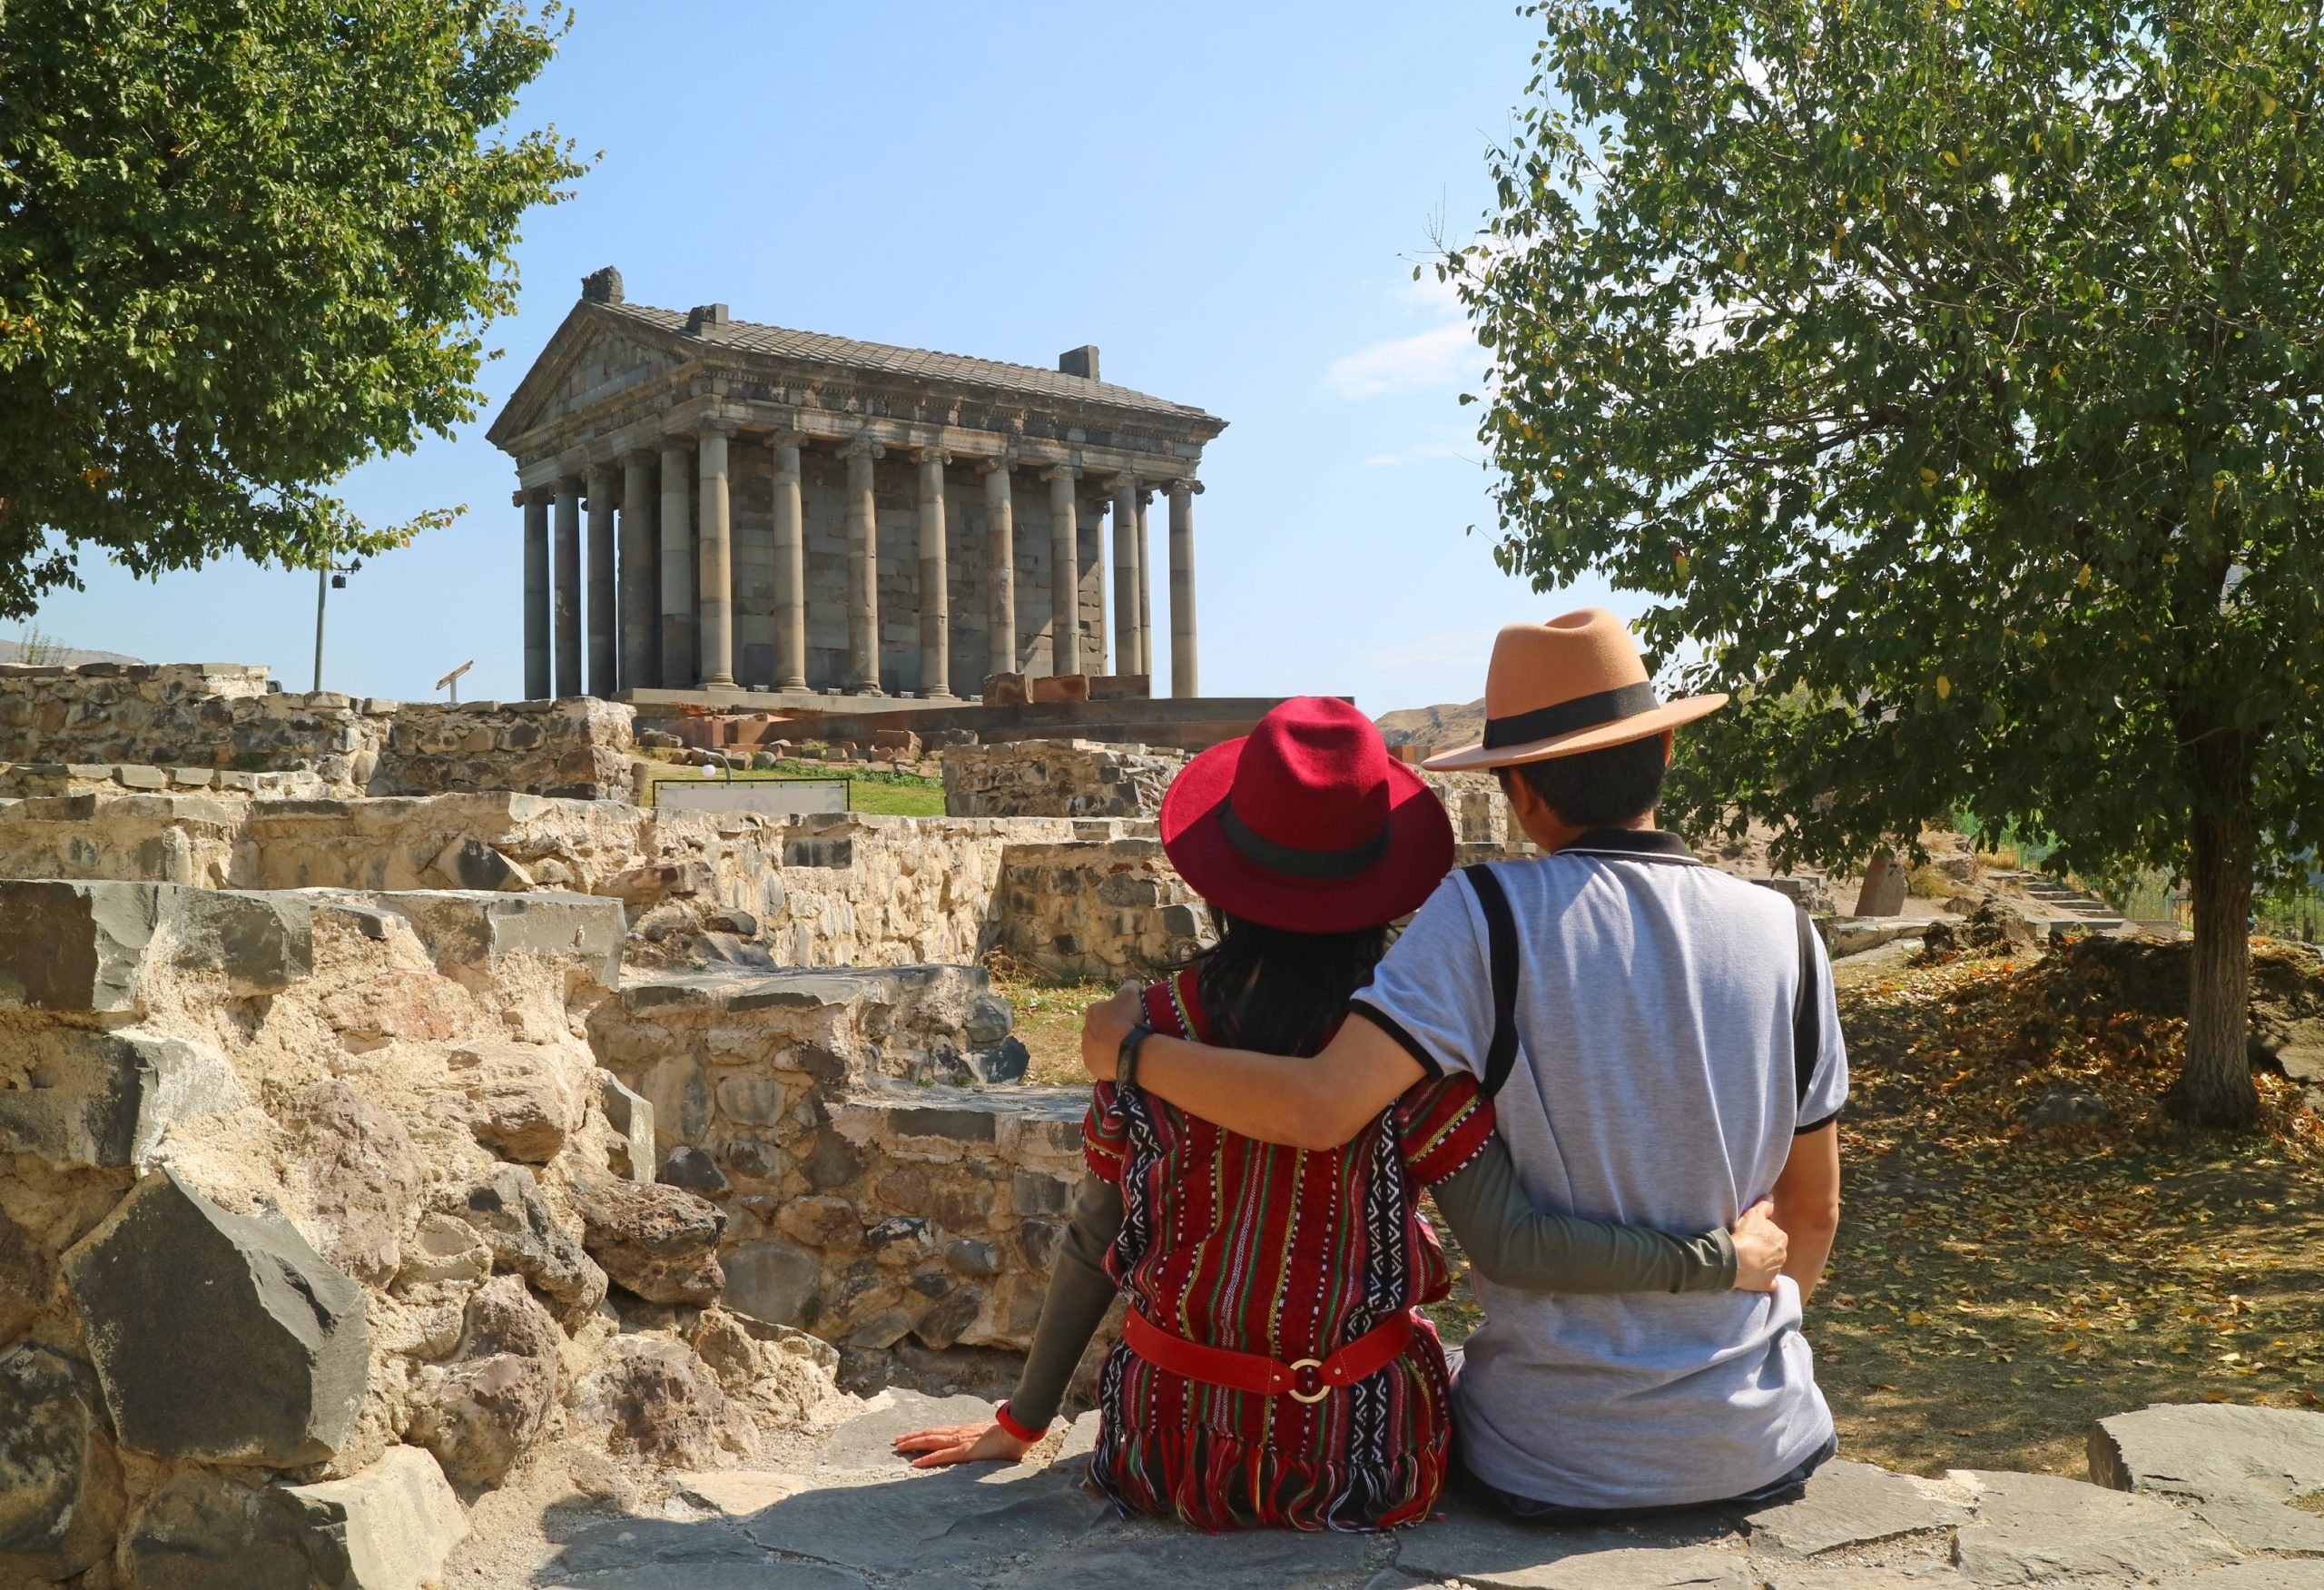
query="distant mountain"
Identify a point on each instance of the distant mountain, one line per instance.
(12, 651)
(1435, 728)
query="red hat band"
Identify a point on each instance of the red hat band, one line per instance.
(1317, 769)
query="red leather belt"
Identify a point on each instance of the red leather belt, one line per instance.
(1307, 1380)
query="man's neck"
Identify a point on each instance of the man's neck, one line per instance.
(1553, 835)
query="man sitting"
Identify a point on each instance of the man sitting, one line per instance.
(1663, 1048)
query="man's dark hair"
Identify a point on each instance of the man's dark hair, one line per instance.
(1598, 789)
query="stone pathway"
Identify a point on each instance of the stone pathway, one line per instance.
(2216, 1498)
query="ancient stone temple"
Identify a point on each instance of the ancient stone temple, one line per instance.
(783, 511)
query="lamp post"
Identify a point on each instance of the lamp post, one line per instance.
(328, 578)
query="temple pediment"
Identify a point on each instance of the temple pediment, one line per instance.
(593, 357)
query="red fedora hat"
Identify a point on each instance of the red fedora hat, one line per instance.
(1307, 824)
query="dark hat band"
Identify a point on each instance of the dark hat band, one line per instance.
(1583, 712)
(1294, 862)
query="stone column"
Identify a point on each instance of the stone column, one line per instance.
(1000, 565)
(1183, 674)
(1065, 571)
(1145, 596)
(935, 573)
(716, 553)
(1126, 497)
(568, 589)
(539, 679)
(640, 658)
(862, 570)
(677, 566)
(790, 569)
(604, 622)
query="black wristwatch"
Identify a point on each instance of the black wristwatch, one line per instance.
(1126, 1061)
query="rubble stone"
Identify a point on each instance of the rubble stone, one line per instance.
(60, 1484)
(523, 1108)
(660, 1242)
(657, 1400)
(479, 1414)
(262, 1356)
(364, 1178)
(509, 1212)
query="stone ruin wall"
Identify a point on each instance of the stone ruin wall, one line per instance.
(319, 1205)
(160, 726)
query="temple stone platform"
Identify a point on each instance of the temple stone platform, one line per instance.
(2197, 1501)
(1188, 723)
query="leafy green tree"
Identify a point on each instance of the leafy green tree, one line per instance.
(243, 248)
(1952, 374)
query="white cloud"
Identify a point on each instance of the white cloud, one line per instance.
(1430, 359)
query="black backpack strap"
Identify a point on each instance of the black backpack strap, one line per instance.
(1806, 1012)
(1501, 937)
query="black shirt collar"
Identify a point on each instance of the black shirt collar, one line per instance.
(1643, 843)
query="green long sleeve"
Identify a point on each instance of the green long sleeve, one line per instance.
(1080, 1291)
(1513, 1244)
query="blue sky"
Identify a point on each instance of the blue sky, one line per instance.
(1228, 200)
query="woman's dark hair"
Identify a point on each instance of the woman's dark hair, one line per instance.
(1280, 992)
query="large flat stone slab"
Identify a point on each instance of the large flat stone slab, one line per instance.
(1493, 1552)
(1855, 1576)
(2280, 1574)
(2210, 1449)
(868, 1441)
(1144, 1555)
(2039, 1529)
(1850, 1504)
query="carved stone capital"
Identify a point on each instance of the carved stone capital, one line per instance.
(1186, 486)
(930, 455)
(1061, 473)
(995, 463)
(862, 448)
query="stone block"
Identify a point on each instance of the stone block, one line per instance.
(137, 776)
(1886, 879)
(465, 929)
(60, 1483)
(262, 1356)
(73, 946)
(658, 1243)
(2037, 1528)
(2235, 1466)
(1004, 690)
(1851, 1504)
(1036, 1194)
(773, 1280)
(201, 1529)
(1060, 687)
(1493, 1552)
(695, 1171)
(820, 1222)
(629, 1114)
(752, 1101)
(107, 1099)
(959, 1125)
(390, 1527)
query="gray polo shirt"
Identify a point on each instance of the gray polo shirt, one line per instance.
(1654, 1085)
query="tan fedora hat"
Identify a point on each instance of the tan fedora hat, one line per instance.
(1575, 684)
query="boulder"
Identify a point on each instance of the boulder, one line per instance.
(107, 1099)
(364, 1180)
(694, 1169)
(513, 1217)
(521, 1107)
(657, 1400)
(60, 1483)
(390, 1527)
(1885, 879)
(479, 1414)
(658, 1241)
(261, 1354)
(201, 1529)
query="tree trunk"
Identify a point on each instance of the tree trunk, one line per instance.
(2215, 1089)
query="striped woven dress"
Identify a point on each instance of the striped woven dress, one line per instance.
(1292, 1254)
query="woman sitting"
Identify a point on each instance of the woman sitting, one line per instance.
(1275, 1368)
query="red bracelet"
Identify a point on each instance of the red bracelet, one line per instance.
(1008, 1421)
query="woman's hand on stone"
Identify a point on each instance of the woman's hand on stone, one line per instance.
(1103, 1028)
(1761, 1248)
(949, 1444)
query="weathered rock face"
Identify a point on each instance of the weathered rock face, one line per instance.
(481, 1412)
(261, 1356)
(516, 1221)
(1057, 778)
(60, 1484)
(524, 1108)
(179, 721)
(659, 1243)
(660, 1402)
(363, 1176)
